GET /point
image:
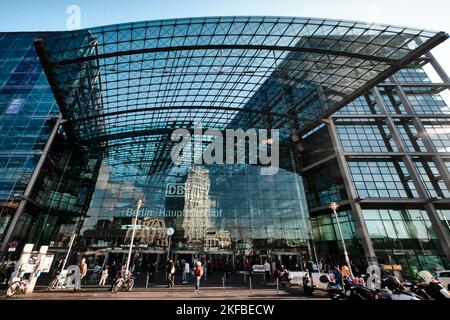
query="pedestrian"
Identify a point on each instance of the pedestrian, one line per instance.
(337, 275)
(345, 271)
(170, 273)
(83, 271)
(103, 278)
(187, 272)
(83, 268)
(267, 270)
(198, 275)
(112, 272)
(274, 267)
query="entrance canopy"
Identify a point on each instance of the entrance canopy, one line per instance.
(129, 85)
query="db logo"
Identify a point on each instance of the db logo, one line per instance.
(175, 190)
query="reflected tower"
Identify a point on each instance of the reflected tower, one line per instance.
(196, 220)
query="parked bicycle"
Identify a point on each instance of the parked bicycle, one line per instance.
(18, 285)
(59, 281)
(125, 282)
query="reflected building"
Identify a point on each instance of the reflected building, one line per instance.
(86, 123)
(196, 221)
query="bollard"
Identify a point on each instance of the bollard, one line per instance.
(250, 282)
(146, 283)
(277, 285)
(223, 283)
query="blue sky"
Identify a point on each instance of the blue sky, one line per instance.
(31, 15)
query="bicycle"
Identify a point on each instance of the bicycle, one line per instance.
(18, 285)
(125, 282)
(59, 281)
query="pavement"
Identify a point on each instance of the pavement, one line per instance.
(176, 293)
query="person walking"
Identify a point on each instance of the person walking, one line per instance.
(170, 273)
(104, 276)
(198, 275)
(83, 271)
(187, 272)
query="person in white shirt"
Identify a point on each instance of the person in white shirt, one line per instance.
(187, 272)
(267, 270)
(104, 276)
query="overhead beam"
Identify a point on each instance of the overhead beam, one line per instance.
(226, 47)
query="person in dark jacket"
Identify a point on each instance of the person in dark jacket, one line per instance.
(337, 275)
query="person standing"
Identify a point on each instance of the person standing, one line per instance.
(170, 273)
(187, 272)
(198, 275)
(337, 275)
(267, 270)
(83, 271)
(112, 272)
(104, 276)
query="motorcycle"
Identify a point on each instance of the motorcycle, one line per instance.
(350, 291)
(433, 287)
(417, 289)
(396, 291)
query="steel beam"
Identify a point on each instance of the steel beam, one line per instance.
(441, 231)
(361, 227)
(425, 137)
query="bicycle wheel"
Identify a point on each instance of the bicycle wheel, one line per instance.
(116, 287)
(130, 284)
(53, 284)
(12, 289)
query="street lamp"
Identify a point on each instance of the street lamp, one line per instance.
(170, 231)
(138, 206)
(334, 206)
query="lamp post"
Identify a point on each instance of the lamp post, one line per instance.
(138, 206)
(170, 231)
(334, 206)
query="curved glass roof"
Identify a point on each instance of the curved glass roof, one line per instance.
(136, 82)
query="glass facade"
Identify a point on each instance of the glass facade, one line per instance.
(27, 114)
(86, 119)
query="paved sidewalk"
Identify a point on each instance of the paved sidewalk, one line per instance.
(162, 293)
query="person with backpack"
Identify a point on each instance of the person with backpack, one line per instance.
(337, 274)
(198, 273)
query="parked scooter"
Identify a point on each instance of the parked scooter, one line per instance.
(433, 287)
(397, 291)
(417, 288)
(335, 291)
(351, 291)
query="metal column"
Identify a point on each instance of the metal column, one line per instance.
(438, 227)
(361, 227)
(30, 186)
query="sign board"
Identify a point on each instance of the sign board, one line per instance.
(387, 267)
(13, 244)
(258, 268)
(396, 267)
(175, 190)
(11, 249)
(46, 264)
